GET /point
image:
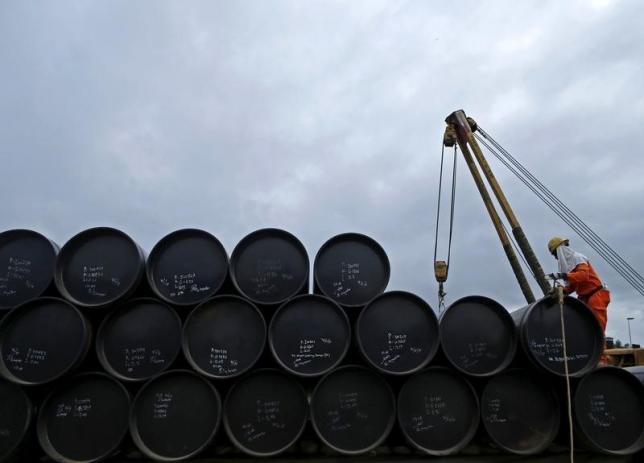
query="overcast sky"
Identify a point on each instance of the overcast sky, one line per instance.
(322, 118)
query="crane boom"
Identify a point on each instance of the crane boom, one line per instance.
(459, 131)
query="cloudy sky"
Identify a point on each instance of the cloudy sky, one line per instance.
(325, 117)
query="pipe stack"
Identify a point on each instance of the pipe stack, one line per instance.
(186, 352)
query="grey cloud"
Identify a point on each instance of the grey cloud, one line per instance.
(324, 117)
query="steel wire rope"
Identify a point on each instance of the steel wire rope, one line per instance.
(623, 272)
(560, 203)
(588, 233)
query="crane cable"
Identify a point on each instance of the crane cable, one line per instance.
(575, 226)
(556, 200)
(569, 217)
(441, 280)
(608, 253)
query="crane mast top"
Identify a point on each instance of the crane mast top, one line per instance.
(463, 132)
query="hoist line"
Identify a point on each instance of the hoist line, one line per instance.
(438, 209)
(451, 214)
(452, 205)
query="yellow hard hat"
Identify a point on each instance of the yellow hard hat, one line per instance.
(555, 242)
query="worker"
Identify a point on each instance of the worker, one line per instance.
(580, 277)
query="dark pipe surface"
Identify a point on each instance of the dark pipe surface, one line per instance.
(42, 340)
(138, 340)
(539, 329)
(351, 269)
(397, 333)
(309, 335)
(186, 267)
(478, 336)
(27, 261)
(269, 266)
(99, 267)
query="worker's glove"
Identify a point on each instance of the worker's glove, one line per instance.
(557, 276)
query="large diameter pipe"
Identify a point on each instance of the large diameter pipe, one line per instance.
(99, 267)
(541, 340)
(139, 340)
(309, 335)
(84, 419)
(520, 412)
(187, 266)
(224, 337)
(438, 411)
(352, 410)
(42, 340)
(27, 261)
(608, 410)
(175, 416)
(397, 333)
(269, 266)
(16, 414)
(265, 412)
(351, 269)
(478, 336)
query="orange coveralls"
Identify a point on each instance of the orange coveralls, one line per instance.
(584, 280)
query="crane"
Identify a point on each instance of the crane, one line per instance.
(464, 132)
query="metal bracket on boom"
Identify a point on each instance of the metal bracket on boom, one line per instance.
(461, 128)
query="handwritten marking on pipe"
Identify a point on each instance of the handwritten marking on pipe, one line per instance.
(599, 412)
(221, 362)
(18, 361)
(75, 408)
(347, 414)
(268, 416)
(551, 349)
(161, 405)
(396, 347)
(180, 284)
(269, 274)
(348, 279)
(495, 412)
(16, 276)
(308, 351)
(136, 357)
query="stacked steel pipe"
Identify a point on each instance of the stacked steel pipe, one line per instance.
(189, 352)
